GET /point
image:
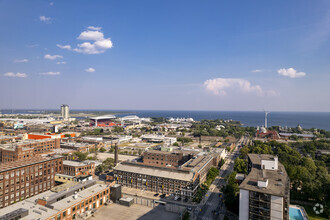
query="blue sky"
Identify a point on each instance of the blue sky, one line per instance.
(166, 55)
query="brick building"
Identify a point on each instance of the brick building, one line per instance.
(80, 147)
(75, 168)
(163, 159)
(27, 149)
(25, 178)
(75, 202)
(187, 170)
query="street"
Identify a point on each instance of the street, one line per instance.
(214, 206)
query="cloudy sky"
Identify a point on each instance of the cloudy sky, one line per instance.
(165, 55)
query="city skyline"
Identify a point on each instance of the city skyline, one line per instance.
(169, 55)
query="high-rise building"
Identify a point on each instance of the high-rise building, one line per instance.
(65, 112)
(265, 192)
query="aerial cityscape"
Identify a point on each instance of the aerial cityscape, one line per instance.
(165, 110)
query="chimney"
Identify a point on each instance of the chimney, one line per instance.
(116, 154)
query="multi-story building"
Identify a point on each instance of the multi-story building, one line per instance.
(80, 147)
(76, 202)
(265, 192)
(8, 139)
(65, 112)
(180, 174)
(183, 183)
(24, 178)
(27, 149)
(163, 159)
(75, 168)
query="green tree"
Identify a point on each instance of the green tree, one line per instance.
(80, 156)
(240, 166)
(102, 149)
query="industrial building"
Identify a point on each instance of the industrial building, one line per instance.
(265, 192)
(80, 147)
(27, 149)
(24, 178)
(77, 201)
(75, 168)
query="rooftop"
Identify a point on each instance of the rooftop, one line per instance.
(37, 211)
(76, 163)
(103, 117)
(13, 145)
(278, 180)
(155, 171)
(21, 163)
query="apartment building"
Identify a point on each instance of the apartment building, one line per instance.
(24, 178)
(265, 192)
(180, 174)
(183, 183)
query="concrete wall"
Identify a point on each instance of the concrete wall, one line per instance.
(174, 208)
(141, 200)
(243, 204)
(276, 207)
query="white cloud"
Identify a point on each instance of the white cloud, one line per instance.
(94, 28)
(51, 3)
(62, 62)
(67, 47)
(21, 61)
(219, 86)
(90, 70)
(91, 35)
(94, 42)
(52, 57)
(45, 19)
(51, 73)
(257, 71)
(290, 72)
(18, 75)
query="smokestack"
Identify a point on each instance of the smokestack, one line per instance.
(116, 154)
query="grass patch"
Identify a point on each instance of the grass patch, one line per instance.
(312, 215)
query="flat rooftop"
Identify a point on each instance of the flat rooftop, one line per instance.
(75, 145)
(163, 172)
(26, 162)
(278, 180)
(76, 163)
(41, 212)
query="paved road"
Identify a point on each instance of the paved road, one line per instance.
(214, 205)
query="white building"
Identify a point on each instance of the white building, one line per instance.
(65, 112)
(265, 192)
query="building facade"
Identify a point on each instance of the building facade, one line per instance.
(163, 159)
(74, 168)
(76, 202)
(163, 180)
(27, 149)
(265, 192)
(25, 178)
(65, 112)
